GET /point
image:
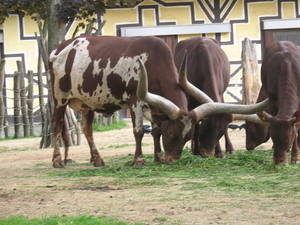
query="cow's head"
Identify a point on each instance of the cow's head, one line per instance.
(178, 125)
(210, 131)
(283, 133)
(256, 134)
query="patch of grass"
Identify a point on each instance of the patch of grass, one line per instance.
(160, 219)
(120, 145)
(20, 150)
(243, 173)
(119, 125)
(82, 220)
(14, 138)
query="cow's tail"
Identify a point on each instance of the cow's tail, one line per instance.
(53, 56)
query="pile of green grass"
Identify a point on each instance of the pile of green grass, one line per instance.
(243, 172)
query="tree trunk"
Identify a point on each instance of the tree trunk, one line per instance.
(251, 84)
(56, 27)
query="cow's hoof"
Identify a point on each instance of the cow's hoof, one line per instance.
(159, 158)
(231, 151)
(220, 156)
(69, 161)
(139, 162)
(295, 162)
(99, 164)
(58, 165)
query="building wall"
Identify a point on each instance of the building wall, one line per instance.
(244, 19)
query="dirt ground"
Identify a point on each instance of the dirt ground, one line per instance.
(25, 191)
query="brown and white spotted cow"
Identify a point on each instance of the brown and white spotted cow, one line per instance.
(208, 69)
(280, 76)
(102, 74)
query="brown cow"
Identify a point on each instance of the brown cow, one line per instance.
(208, 69)
(102, 74)
(280, 76)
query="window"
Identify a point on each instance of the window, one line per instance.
(282, 35)
(281, 30)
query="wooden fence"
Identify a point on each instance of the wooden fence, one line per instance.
(29, 113)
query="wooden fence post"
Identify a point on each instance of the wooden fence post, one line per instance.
(17, 77)
(30, 102)
(41, 97)
(2, 106)
(75, 124)
(251, 84)
(23, 99)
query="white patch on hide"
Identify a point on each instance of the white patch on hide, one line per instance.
(187, 125)
(138, 111)
(126, 67)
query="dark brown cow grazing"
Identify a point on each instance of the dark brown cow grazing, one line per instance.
(256, 134)
(106, 74)
(208, 69)
(280, 76)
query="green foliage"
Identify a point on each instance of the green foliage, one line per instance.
(32, 8)
(67, 11)
(82, 220)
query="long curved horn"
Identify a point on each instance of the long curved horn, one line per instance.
(160, 102)
(187, 86)
(218, 108)
(250, 118)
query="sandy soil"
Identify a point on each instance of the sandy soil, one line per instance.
(24, 190)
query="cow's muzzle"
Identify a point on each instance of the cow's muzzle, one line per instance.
(171, 159)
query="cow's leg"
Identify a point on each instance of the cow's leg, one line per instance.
(156, 134)
(87, 121)
(137, 122)
(298, 137)
(228, 144)
(218, 151)
(295, 149)
(195, 141)
(57, 126)
(66, 140)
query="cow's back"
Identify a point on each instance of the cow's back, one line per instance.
(280, 76)
(104, 70)
(210, 76)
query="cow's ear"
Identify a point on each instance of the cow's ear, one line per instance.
(296, 117)
(160, 117)
(264, 116)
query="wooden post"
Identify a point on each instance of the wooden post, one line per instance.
(30, 102)
(4, 109)
(41, 100)
(76, 125)
(17, 77)
(2, 106)
(69, 126)
(251, 84)
(23, 99)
